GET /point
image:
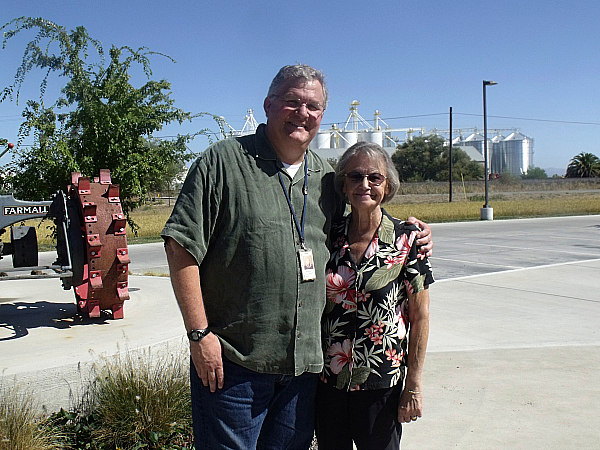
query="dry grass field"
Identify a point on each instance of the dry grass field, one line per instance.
(504, 206)
(435, 208)
(510, 198)
(427, 201)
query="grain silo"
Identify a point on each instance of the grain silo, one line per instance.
(323, 140)
(349, 138)
(475, 140)
(517, 152)
(497, 161)
(374, 134)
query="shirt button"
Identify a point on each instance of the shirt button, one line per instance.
(300, 304)
(298, 335)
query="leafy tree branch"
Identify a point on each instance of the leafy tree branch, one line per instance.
(99, 121)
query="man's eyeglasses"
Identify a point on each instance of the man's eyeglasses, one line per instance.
(375, 178)
(314, 108)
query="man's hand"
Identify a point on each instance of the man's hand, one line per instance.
(410, 406)
(185, 278)
(424, 241)
(206, 356)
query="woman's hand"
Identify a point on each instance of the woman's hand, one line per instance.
(410, 406)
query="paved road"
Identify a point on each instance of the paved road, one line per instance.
(471, 248)
(461, 249)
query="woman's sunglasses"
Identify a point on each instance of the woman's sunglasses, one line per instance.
(375, 178)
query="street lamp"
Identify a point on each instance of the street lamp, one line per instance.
(487, 212)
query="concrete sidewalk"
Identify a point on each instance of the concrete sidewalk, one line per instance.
(47, 348)
(513, 358)
(513, 361)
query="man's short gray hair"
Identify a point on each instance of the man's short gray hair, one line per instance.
(372, 150)
(298, 71)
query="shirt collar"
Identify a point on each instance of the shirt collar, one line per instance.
(385, 231)
(264, 150)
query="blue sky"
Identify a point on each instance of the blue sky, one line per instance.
(411, 60)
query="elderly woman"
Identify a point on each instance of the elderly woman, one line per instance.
(376, 322)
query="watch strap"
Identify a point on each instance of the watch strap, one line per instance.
(197, 335)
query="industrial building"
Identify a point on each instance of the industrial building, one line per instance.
(512, 154)
(333, 142)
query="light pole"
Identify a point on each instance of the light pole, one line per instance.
(487, 212)
(450, 161)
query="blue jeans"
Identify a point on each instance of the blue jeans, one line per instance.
(254, 410)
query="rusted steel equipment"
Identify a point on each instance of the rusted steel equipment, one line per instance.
(92, 254)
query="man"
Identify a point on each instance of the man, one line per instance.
(246, 246)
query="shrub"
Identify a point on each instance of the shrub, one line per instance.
(136, 401)
(509, 179)
(535, 173)
(20, 427)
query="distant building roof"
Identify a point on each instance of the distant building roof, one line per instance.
(472, 152)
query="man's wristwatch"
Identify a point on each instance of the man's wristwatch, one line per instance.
(198, 335)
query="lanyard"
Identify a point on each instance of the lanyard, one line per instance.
(299, 227)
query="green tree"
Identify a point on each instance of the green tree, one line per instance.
(39, 171)
(535, 173)
(174, 172)
(426, 158)
(419, 158)
(101, 121)
(463, 167)
(583, 165)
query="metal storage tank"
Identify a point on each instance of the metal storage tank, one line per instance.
(388, 139)
(517, 149)
(371, 136)
(475, 140)
(334, 136)
(457, 141)
(323, 139)
(497, 160)
(350, 138)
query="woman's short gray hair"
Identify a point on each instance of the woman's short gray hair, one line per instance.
(298, 71)
(372, 150)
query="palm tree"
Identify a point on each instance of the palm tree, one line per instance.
(583, 165)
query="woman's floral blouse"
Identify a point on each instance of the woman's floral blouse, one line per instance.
(365, 322)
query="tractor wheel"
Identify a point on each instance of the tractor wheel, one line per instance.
(101, 276)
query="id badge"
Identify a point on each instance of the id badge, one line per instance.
(307, 264)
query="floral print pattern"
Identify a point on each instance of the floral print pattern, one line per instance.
(365, 323)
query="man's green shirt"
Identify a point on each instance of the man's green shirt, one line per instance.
(233, 216)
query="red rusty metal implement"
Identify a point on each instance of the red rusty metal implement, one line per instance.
(105, 274)
(92, 255)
